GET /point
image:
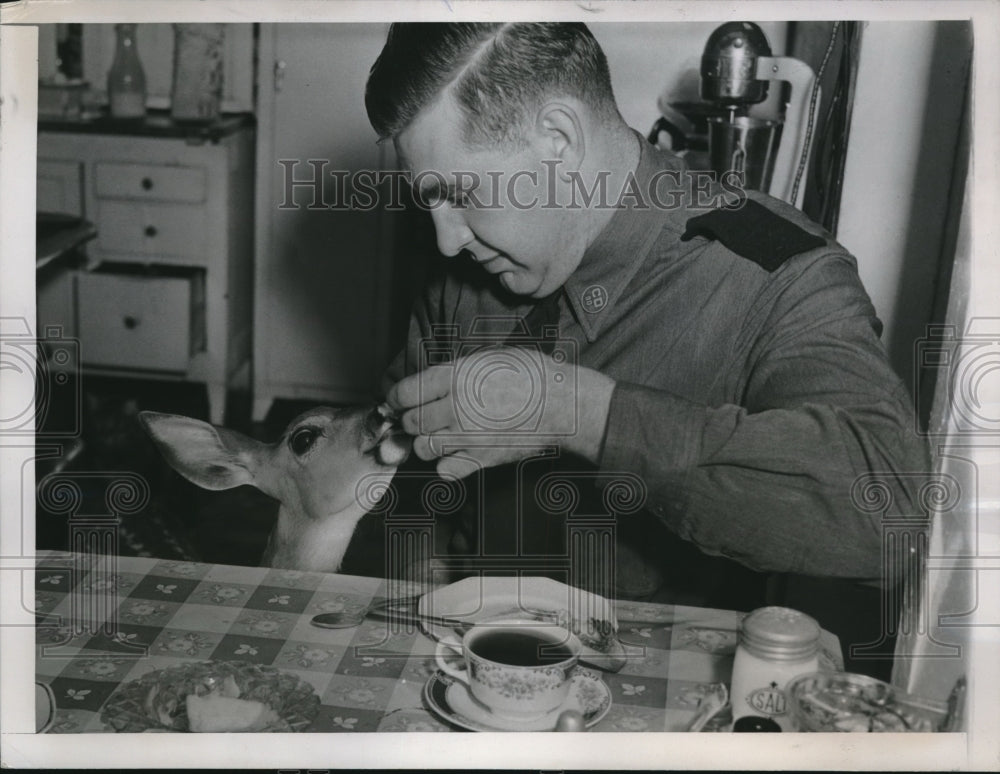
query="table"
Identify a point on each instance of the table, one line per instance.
(57, 236)
(59, 241)
(368, 678)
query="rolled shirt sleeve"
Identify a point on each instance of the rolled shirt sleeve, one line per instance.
(767, 480)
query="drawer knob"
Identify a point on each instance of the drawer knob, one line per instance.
(130, 321)
(147, 183)
(151, 231)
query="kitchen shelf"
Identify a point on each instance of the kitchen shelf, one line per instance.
(156, 123)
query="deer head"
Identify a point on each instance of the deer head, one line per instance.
(316, 472)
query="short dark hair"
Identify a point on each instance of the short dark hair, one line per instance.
(498, 73)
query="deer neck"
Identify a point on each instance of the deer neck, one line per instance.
(315, 545)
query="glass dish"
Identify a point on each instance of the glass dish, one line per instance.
(156, 701)
(843, 701)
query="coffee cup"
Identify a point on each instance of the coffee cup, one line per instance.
(516, 667)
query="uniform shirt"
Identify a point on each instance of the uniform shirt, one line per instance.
(749, 401)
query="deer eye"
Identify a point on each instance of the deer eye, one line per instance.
(302, 440)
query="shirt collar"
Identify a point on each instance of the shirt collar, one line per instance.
(611, 261)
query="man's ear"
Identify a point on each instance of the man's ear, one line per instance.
(561, 134)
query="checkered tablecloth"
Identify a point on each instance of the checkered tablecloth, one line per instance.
(368, 678)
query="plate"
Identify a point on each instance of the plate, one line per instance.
(156, 701)
(45, 708)
(589, 616)
(449, 699)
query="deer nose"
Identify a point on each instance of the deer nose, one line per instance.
(376, 425)
(371, 426)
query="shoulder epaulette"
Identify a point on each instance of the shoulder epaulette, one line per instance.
(754, 232)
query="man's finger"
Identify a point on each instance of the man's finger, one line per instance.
(457, 466)
(430, 447)
(423, 448)
(434, 417)
(422, 387)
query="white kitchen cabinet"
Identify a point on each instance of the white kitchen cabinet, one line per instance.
(60, 187)
(136, 321)
(323, 274)
(167, 289)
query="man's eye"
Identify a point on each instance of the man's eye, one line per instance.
(302, 440)
(431, 200)
(452, 200)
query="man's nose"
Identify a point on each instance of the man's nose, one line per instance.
(453, 233)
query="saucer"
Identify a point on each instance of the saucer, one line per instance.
(451, 700)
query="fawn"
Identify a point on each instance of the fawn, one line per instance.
(319, 471)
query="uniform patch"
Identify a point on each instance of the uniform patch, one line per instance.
(754, 232)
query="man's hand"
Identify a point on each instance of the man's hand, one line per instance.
(501, 404)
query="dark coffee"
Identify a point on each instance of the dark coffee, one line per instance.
(521, 648)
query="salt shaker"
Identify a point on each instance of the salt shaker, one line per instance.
(776, 645)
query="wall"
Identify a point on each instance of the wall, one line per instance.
(900, 156)
(647, 60)
(898, 177)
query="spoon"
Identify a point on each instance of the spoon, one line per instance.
(716, 700)
(345, 619)
(570, 720)
(342, 620)
(348, 619)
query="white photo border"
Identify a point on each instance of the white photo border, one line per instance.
(979, 748)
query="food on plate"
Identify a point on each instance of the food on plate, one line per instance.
(842, 701)
(212, 696)
(215, 713)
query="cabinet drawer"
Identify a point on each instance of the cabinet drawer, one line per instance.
(140, 321)
(149, 182)
(170, 231)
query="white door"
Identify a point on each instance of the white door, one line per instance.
(323, 280)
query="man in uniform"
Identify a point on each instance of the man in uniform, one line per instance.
(717, 348)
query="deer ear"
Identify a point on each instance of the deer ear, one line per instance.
(212, 458)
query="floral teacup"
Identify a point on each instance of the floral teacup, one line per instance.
(517, 668)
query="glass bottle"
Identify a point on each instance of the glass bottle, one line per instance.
(126, 79)
(198, 71)
(776, 644)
